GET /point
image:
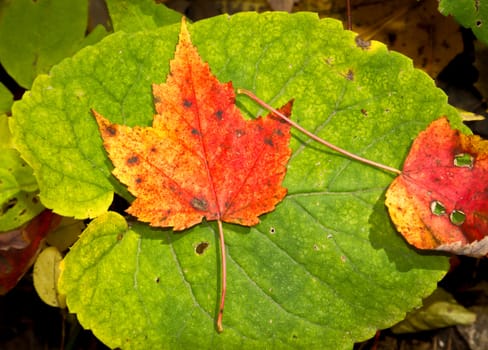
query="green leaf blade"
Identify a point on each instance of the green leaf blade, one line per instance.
(327, 254)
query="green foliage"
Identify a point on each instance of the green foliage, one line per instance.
(136, 15)
(38, 34)
(470, 14)
(6, 99)
(18, 187)
(324, 270)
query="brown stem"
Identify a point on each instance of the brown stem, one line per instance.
(348, 14)
(315, 137)
(223, 286)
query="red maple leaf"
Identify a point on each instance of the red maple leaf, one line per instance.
(200, 158)
(440, 200)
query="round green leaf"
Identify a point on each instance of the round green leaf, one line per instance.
(324, 270)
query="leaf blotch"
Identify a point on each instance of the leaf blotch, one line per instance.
(199, 204)
(133, 160)
(110, 130)
(240, 132)
(361, 43)
(201, 247)
(219, 115)
(269, 141)
(187, 103)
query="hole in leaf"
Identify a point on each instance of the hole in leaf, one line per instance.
(464, 160)
(8, 205)
(201, 247)
(457, 217)
(437, 208)
(479, 23)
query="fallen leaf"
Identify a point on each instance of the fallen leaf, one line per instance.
(440, 201)
(20, 248)
(200, 158)
(46, 276)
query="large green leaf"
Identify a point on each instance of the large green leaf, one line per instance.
(38, 34)
(323, 270)
(470, 14)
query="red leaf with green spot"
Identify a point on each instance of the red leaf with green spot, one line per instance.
(201, 158)
(440, 201)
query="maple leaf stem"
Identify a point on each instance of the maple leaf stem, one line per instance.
(315, 137)
(223, 286)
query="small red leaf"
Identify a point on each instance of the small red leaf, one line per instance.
(440, 201)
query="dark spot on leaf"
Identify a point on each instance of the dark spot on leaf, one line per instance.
(120, 236)
(278, 132)
(420, 50)
(156, 99)
(201, 247)
(157, 279)
(272, 230)
(23, 212)
(479, 23)
(138, 180)
(219, 115)
(392, 38)
(364, 112)
(315, 247)
(199, 204)
(361, 43)
(349, 75)
(133, 160)
(187, 103)
(153, 149)
(268, 141)
(239, 132)
(110, 130)
(35, 200)
(195, 132)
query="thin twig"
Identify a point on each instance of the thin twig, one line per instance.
(315, 137)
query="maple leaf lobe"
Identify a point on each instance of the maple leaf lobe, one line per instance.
(200, 158)
(440, 201)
